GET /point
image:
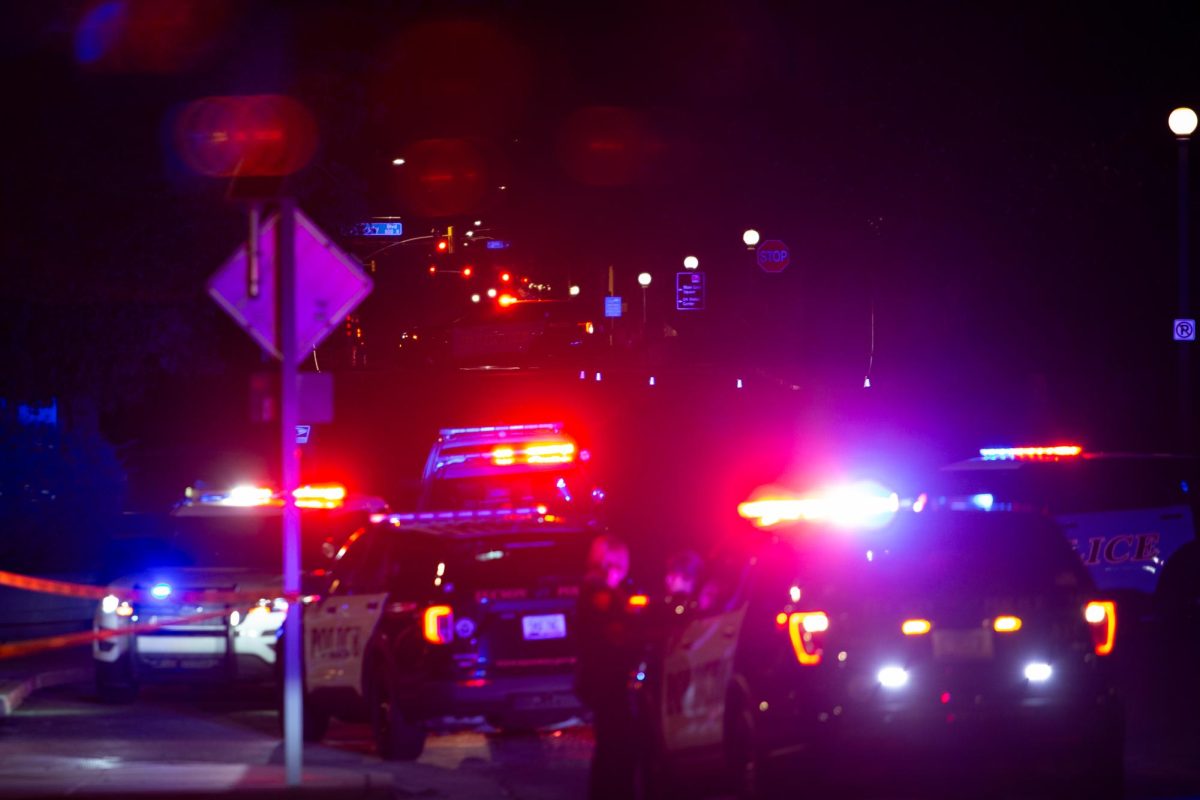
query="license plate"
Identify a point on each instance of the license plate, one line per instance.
(544, 626)
(532, 702)
(962, 645)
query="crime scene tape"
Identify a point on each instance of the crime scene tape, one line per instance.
(137, 595)
(67, 589)
(31, 646)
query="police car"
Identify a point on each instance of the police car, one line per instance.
(499, 466)
(1130, 517)
(205, 602)
(464, 613)
(915, 639)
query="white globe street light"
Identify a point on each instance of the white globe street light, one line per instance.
(474, 298)
(1182, 122)
(644, 279)
(691, 262)
(573, 291)
(751, 238)
(490, 292)
(399, 162)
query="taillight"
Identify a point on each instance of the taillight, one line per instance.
(1101, 618)
(638, 601)
(439, 624)
(805, 629)
(915, 627)
(1006, 624)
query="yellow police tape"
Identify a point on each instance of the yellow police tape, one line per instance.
(67, 589)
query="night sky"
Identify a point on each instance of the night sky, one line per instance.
(997, 181)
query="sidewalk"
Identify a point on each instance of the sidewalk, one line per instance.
(21, 677)
(146, 781)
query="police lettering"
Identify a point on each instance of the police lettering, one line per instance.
(340, 642)
(1119, 549)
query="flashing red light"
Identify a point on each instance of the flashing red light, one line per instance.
(505, 277)
(1101, 617)
(506, 300)
(324, 495)
(1055, 451)
(432, 269)
(467, 272)
(442, 246)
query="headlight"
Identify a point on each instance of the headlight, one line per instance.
(109, 604)
(893, 677)
(1038, 672)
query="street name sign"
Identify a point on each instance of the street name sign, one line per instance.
(380, 228)
(329, 285)
(689, 291)
(773, 256)
(612, 306)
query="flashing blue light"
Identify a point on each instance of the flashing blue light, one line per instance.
(983, 502)
(98, 31)
(1185, 487)
(160, 591)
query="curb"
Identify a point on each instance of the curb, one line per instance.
(14, 692)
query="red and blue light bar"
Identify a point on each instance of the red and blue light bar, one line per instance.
(1042, 452)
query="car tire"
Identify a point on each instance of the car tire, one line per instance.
(398, 736)
(115, 683)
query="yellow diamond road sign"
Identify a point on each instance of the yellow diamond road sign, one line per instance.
(329, 285)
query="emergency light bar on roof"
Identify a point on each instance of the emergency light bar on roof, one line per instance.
(448, 433)
(1010, 453)
(324, 495)
(860, 505)
(538, 513)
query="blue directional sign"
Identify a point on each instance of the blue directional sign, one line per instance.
(612, 306)
(377, 229)
(689, 291)
(497, 244)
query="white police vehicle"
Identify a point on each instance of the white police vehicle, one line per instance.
(498, 466)
(205, 603)
(854, 638)
(460, 614)
(1131, 517)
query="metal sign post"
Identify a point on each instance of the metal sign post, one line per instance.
(289, 391)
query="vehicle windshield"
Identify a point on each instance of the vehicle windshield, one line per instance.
(518, 488)
(248, 541)
(527, 560)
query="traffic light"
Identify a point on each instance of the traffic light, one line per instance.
(442, 246)
(505, 277)
(466, 272)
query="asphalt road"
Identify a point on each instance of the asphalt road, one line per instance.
(62, 741)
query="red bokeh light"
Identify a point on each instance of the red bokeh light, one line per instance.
(605, 146)
(443, 177)
(246, 135)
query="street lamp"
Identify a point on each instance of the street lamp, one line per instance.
(691, 262)
(573, 291)
(750, 238)
(398, 162)
(644, 281)
(1182, 123)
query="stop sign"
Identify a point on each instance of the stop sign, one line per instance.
(773, 256)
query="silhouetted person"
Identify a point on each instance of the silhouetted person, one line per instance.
(609, 650)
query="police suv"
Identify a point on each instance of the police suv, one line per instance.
(205, 602)
(917, 639)
(506, 466)
(1130, 517)
(463, 613)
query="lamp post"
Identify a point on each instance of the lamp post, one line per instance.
(644, 281)
(1182, 122)
(750, 239)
